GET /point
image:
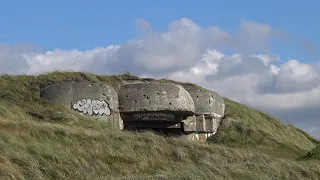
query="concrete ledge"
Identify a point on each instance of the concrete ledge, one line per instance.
(155, 96)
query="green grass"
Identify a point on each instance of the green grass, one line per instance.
(313, 154)
(248, 128)
(39, 140)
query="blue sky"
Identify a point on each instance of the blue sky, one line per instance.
(87, 24)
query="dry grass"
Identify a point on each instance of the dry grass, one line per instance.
(39, 140)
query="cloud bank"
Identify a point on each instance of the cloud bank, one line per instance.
(289, 89)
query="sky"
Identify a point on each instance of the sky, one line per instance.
(262, 54)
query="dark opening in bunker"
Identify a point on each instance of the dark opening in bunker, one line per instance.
(161, 122)
(162, 127)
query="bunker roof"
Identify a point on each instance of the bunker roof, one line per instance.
(155, 96)
(206, 101)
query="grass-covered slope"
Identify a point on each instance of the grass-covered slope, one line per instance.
(39, 140)
(313, 154)
(246, 127)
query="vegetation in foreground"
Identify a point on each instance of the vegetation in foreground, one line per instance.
(313, 154)
(39, 140)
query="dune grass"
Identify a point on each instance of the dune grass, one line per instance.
(313, 154)
(249, 128)
(39, 140)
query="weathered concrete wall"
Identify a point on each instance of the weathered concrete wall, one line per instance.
(58, 94)
(155, 96)
(98, 101)
(193, 109)
(103, 92)
(206, 101)
(209, 108)
(205, 123)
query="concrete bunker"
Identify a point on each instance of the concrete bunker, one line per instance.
(166, 107)
(98, 101)
(209, 111)
(157, 106)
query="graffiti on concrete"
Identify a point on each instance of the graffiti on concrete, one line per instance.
(93, 107)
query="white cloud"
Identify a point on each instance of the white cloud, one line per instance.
(188, 52)
(11, 60)
(92, 60)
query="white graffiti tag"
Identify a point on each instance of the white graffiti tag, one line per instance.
(93, 107)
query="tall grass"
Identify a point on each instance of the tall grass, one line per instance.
(313, 154)
(39, 140)
(246, 127)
